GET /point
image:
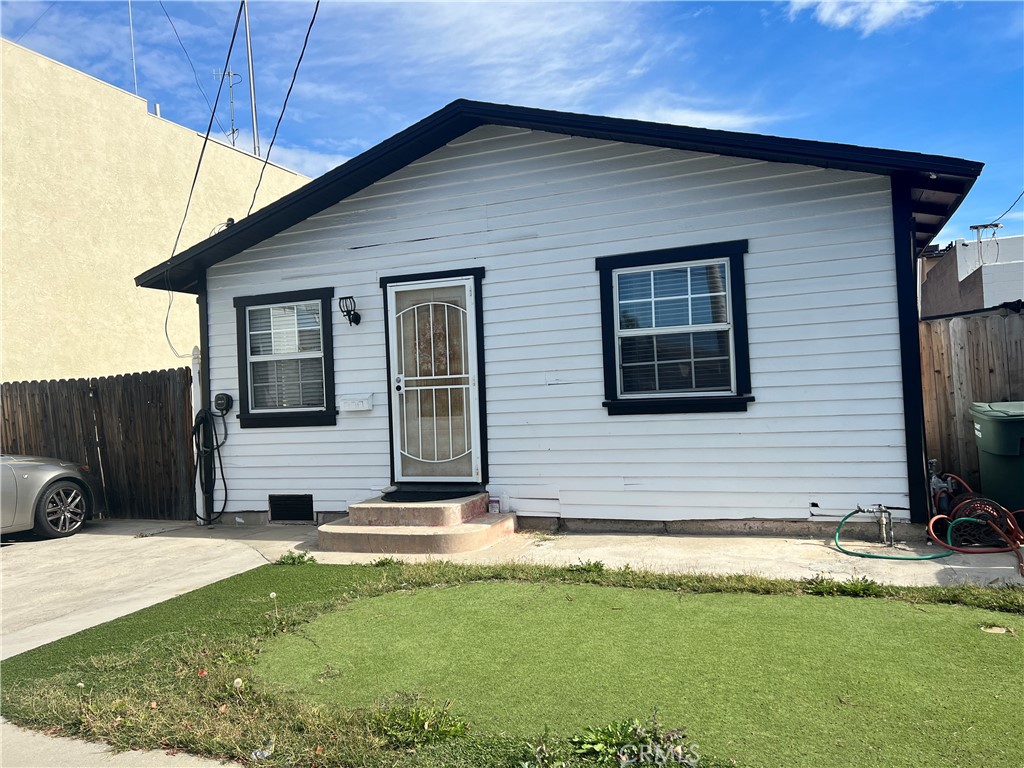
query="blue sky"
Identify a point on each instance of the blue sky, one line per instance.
(942, 77)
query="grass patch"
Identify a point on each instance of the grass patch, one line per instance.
(165, 677)
(793, 677)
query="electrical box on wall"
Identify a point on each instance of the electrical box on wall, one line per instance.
(352, 403)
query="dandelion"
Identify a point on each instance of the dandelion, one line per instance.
(81, 685)
(237, 684)
(273, 596)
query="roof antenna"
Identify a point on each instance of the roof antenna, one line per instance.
(978, 229)
(233, 133)
(131, 34)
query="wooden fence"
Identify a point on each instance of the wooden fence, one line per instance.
(964, 360)
(134, 431)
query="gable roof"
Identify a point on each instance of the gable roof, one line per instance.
(937, 184)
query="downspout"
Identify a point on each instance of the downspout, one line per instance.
(910, 347)
(204, 392)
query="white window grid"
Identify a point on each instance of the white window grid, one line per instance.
(309, 355)
(654, 330)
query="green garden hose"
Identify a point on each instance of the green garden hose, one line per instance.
(874, 556)
(954, 523)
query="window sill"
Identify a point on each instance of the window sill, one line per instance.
(302, 419)
(730, 403)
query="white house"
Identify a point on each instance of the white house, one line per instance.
(588, 317)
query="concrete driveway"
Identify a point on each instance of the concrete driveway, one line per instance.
(53, 588)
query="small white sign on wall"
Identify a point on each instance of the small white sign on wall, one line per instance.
(352, 403)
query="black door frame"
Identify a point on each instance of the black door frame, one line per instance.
(461, 488)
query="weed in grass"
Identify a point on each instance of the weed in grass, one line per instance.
(386, 562)
(587, 566)
(295, 558)
(541, 755)
(630, 742)
(858, 587)
(409, 721)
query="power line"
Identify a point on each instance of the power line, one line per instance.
(1010, 208)
(284, 106)
(38, 19)
(195, 178)
(209, 127)
(189, 59)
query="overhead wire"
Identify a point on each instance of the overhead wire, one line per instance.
(194, 73)
(284, 106)
(1011, 207)
(38, 19)
(195, 179)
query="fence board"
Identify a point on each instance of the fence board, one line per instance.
(976, 358)
(134, 429)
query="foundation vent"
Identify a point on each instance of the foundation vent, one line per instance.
(291, 508)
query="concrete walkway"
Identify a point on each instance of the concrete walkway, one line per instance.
(51, 589)
(759, 555)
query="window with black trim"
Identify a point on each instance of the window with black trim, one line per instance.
(675, 332)
(285, 359)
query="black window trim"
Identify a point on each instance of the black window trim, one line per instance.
(328, 416)
(733, 251)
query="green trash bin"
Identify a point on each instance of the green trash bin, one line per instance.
(999, 430)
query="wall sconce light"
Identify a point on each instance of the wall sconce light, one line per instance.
(347, 305)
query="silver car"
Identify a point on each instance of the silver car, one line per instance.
(52, 497)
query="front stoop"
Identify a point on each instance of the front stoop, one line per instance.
(420, 528)
(407, 513)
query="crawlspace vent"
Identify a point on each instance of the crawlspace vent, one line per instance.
(296, 507)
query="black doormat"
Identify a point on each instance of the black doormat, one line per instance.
(414, 493)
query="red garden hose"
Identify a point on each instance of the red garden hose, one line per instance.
(978, 509)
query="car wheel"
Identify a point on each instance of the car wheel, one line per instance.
(61, 509)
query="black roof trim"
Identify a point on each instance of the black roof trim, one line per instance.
(931, 176)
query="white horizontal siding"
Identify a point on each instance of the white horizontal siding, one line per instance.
(535, 209)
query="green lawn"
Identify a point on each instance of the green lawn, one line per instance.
(764, 671)
(771, 680)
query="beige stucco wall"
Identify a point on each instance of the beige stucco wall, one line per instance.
(93, 190)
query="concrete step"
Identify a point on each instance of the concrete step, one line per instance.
(420, 513)
(345, 536)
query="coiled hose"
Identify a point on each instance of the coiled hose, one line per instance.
(986, 516)
(990, 523)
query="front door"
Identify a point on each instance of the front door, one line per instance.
(434, 399)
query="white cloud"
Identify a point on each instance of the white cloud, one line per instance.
(306, 161)
(665, 107)
(866, 15)
(551, 55)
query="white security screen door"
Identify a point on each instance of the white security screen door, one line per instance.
(434, 403)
